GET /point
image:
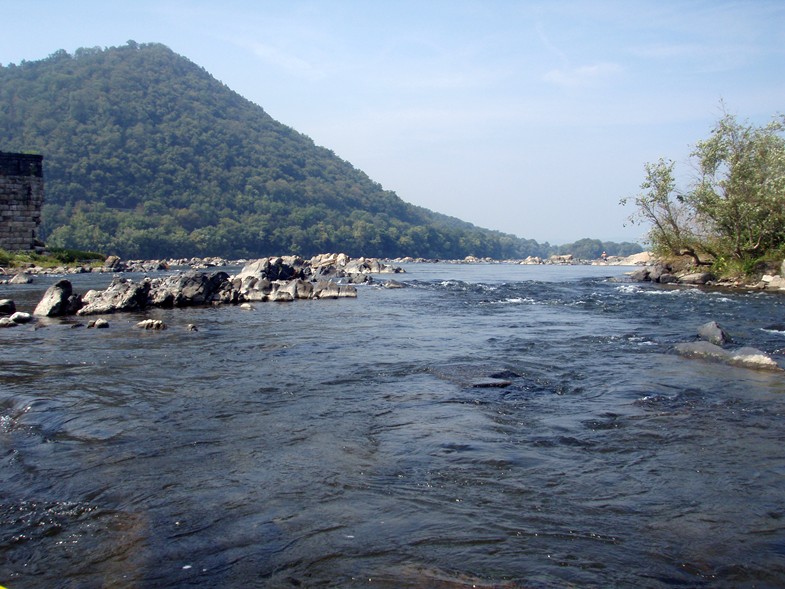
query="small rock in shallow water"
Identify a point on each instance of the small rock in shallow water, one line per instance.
(20, 317)
(21, 278)
(753, 358)
(151, 324)
(98, 323)
(488, 383)
(745, 357)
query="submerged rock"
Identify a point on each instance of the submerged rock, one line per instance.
(746, 357)
(156, 324)
(490, 382)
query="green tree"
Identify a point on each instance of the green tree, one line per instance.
(741, 193)
(734, 211)
(674, 228)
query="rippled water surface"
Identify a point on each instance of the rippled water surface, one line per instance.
(354, 443)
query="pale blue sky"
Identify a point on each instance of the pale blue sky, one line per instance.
(533, 118)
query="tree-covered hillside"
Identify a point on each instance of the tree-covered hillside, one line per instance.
(147, 155)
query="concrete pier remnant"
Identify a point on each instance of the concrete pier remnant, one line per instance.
(21, 198)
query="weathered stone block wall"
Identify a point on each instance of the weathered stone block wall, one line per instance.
(21, 197)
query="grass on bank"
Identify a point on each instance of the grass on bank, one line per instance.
(51, 258)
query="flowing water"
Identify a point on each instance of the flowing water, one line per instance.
(371, 442)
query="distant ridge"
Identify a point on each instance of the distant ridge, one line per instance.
(147, 155)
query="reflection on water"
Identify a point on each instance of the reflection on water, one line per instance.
(358, 442)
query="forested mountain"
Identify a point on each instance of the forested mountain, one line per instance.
(147, 155)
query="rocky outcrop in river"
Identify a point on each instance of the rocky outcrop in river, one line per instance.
(276, 279)
(709, 346)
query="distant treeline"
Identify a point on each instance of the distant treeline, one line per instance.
(146, 155)
(591, 249)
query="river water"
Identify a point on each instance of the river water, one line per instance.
(358, 442)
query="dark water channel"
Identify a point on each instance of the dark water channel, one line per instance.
(347, 443)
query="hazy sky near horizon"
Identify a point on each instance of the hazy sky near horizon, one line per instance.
(532, 118)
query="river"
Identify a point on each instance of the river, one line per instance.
(489, 425)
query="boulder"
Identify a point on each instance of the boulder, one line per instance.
(347, 291)
(121, 295)
(114, 264)
(746, 357)
(256, 269)
(775, 283)
(98, 324)
(713, 333)
(7, 307)
(749, 357)
(299, 289)
(637, 259)
(642, 275)
(393, 284)
(58, 300)
(360, 278)
(252, 288)
(702, 349)
(656, 272)
(160, 296)
(156, 324)
(6, 322)
(325, 289)
(278, 268)
(696, 278)
(20, 317)
(21, 278)
(280, 296)
(226, 294)
(187, 289)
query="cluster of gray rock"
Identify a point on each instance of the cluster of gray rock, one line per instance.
(10, 317)
(712, 345)
(279, 279)
(19, 278)
(663, 274)
(554, 260)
